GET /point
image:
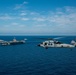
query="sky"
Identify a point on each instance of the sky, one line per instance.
(37, 17)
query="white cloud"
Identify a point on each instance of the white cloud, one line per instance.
(60, 21)
(40, 25)
(22, 26)
(9, 17)
(25, 19)
(63, 22)
(70, 9)
(19, 6)
(25, 2)
(6, 17)
(39, 19)
(14, 23)
(63, 18)
(34, 13)
(22, 14)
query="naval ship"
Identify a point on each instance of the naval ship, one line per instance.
(13, 42)
(73, 42)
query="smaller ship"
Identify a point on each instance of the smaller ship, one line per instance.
(73, 42)
(1, 41)
(13, 42)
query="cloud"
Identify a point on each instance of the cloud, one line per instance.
(63, 18)
(70, 9)
(23, 14)
(34, 13)
(14, 23)
(9, 16)
(39, 19)
(59, 21)
(63, 22)
(22, 26)
(25, 2)
(6, 17)
(19, 6)
(40, 25)
(25, 19)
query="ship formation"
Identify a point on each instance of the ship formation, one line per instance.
(50, 43)
(13, 42)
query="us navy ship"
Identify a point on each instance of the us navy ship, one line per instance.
(13, 42)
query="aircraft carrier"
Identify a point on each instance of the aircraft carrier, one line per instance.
(13, 42)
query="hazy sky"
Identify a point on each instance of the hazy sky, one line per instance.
(38, 17)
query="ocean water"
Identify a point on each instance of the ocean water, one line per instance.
(29, 59)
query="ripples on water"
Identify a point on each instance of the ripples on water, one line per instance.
(28, 59)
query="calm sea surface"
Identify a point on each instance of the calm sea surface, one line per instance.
(29, 59)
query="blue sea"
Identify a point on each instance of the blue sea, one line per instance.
(29, 59)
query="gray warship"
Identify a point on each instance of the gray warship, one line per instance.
(13, 42)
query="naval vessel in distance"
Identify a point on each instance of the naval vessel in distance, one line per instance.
(13, 42)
